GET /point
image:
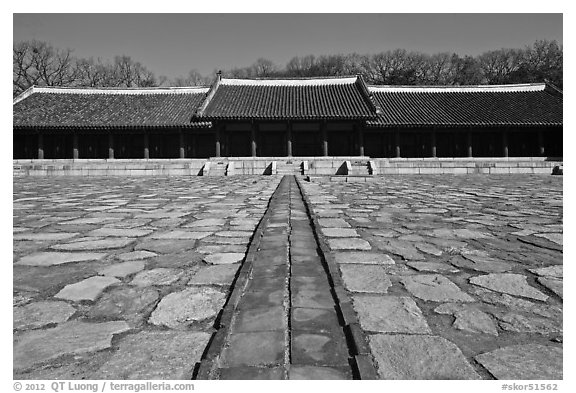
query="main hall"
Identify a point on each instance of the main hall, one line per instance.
(304, 117)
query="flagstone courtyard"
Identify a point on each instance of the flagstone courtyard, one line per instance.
(270, 277)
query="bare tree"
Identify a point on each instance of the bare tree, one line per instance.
(38, 63)
(194, 78)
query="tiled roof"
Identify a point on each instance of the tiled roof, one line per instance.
(317, 98)
(101, 108)
(507, 105)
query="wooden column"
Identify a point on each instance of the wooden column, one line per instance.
(433, 152)
(40, 146)
(541, 148)
(146, 145)
(505, 144)
(397, 142)
(253, 144)
(360, 140)
(181, 144)
(75, 146)
(469, 140)
(110, 146)
(324, 137)
(217, 131)
(289, 140)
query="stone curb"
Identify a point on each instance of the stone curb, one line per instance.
(206, 367)
(364, 362)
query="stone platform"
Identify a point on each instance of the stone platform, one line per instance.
(408, 277)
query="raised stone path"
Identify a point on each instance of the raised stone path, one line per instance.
(419, 277)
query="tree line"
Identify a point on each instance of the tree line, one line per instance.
(41, 64)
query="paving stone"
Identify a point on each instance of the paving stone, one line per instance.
(214, 275)
(58, 258)
(510, 283)
(251, 373)
(159, 276)
(482, 262)
(254, 349)
(371, 258)
(517, 304)
(390, 314)
(255, 299)
(339, 232)
(164, 246)
(260, 319)
(419, 357)
(434, 287)
(333, 223)
(224, 258)
(39, 314)
(180, 309)
(314, 320)
(88, 289)
(136, 255)
(365, 278)
(469, 319)
(120, 232)
(234, 233)
(208, 222)
(524, 362)
(404, 249)
(436, 267)
(218, 248)
(183, 259)
(123, 269)
(166, 355)
(554, 271)
(128, 303)
(319, 349)
(554, 285)
(70, 338)
(514, 322)
(553, 237)
(318, 373)
(428, 249)
(348, 244)
(100, 244)
(43, 236)
(180, 235)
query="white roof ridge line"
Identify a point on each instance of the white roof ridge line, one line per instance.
(466, 88)
(127, 91)
(289, 82)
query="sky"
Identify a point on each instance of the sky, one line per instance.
(173, 44)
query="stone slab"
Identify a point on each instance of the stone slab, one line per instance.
(254, 349)
(59, 258)
(166, 355)
(419, 357)
(510, 283)
(88, 289)
(434, 287)
(214, 275)
(369, 258)
(99, 244)
(224, 258)
(365, 278)
(39, 314)
(180, 309)
(123, 269)
(524, 362)
(318, 373)
(390, 314)
(348, 244)
(70, 338)
(159, 276)
(127, 303)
